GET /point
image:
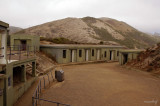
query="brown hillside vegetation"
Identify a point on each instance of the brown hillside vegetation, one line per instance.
(94, 30)
(148, 60)
(44, 63)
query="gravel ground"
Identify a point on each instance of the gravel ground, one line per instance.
(104, 84)
(26, 99)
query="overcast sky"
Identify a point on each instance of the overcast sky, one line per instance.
(141, 14)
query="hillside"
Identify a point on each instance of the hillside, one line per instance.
(93, 30)
(148, 60)
(156, 34)
(13, 29)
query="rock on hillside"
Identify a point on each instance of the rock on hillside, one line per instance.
(93, 30)
(148, 60)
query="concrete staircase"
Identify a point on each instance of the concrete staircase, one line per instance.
(29, 69)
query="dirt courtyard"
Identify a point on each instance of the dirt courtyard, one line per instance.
(104, 84)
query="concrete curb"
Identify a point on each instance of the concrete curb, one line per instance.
(89, 62)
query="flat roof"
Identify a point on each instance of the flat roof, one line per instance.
(24, 35)
(3, 24)
(131, 50)
(79, 46)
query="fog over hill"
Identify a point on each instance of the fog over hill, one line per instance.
(156, 34)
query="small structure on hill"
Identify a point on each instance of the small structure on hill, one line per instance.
(82, 53)
(127, 55)
(25, 41)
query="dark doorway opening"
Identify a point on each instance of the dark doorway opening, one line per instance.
(64, 53)
(23, 44)
(71, 56)
(16, 75)
(125, 60)
(105, 54)
(110, 55)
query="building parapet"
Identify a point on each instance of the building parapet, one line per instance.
(126, 55)
(80, 46)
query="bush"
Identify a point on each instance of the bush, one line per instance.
(101, 42)
(59, 40)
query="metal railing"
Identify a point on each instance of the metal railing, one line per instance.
(18, 52)
(43, 83)
(58, 104)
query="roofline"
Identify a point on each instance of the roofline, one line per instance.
(79, 46)
(131, 50)
(3, 24)
(23, 35)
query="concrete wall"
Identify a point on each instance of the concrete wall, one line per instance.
(131, 54)
(19, 90)
(30, 40)
(89, 54)
(93, 54)
(103, 54)
(82, 58)
(9, 88)
(1, 90)
(0, 39)
(57, 53)
(11, 92)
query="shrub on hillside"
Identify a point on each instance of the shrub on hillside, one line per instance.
(101, 42)
(58, 40)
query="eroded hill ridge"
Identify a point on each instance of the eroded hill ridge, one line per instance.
(93, 30)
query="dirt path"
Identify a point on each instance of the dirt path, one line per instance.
(104, 84)
(26, 99)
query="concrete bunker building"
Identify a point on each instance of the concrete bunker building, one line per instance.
(126, 55)
(82, 53)
(26, 41)
(14, 79)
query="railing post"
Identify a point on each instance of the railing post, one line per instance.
(44, 82)
(32, 101)
(48, 78)
(27, 51)
(40, 86)
(36, 97)
(51, 74)
(57, 104)
(10, 53)
(38, 91)
(19, 52)
(34, 50)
